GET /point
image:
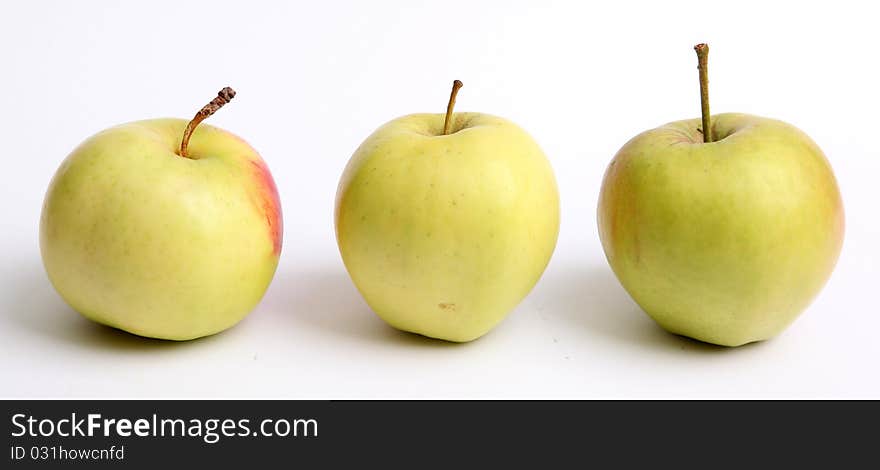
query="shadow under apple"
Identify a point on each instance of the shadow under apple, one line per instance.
(590, 299)
(326, 299)
(35, 308)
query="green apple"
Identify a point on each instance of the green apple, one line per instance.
(446, 223)
(724, 237)
(162, 237)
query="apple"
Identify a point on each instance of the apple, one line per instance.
(446, 222)
(722, 229)
(163, 229)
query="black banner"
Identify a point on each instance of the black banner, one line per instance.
(254, 434)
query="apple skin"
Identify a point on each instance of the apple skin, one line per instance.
(444, 235)
(725, 242)
(139, 238)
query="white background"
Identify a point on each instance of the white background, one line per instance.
(315, 78)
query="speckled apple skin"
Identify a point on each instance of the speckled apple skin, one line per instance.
(137, 237)
(725, 242)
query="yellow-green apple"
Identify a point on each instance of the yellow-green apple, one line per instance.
(445, 223)
(723, 228)
(163, 229)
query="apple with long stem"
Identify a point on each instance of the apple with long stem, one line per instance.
(446, 222)
(163, 228)
(722, 228)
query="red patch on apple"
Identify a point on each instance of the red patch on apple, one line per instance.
(269, 203)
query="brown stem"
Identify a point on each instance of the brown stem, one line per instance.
(703, 66)
(223, 97)
(456, 85)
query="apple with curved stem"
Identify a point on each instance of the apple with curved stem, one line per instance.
(722, 228)
(446, 222)
(163, 236)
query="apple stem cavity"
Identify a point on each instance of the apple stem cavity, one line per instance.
(703, 66)
(456, 85)
(223, 97)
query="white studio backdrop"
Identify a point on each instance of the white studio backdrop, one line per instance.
(315, 78)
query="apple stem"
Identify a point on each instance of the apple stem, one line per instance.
(703, 66)
(456, 85)
(223, 97)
